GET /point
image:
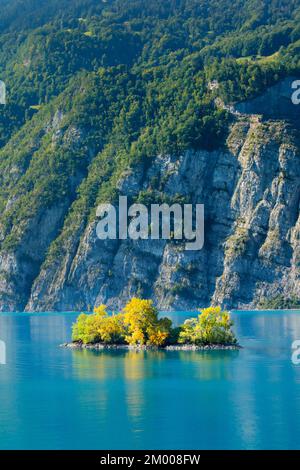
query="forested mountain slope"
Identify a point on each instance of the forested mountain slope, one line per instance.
(115, 98)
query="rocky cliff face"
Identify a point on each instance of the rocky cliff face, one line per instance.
(251, 192)
(51, 258)
(87, 120)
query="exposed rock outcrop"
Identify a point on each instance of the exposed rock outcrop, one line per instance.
(251, 192)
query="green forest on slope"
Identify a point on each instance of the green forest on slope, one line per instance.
(93, 87)
(165, 44)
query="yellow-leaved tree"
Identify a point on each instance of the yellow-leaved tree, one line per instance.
(99, 327)
(87, 327)
(144, 326)
(139, 324)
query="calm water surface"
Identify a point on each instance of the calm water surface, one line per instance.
(53, 398)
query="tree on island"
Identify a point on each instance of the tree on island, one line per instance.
(212, 326)
(138, 324)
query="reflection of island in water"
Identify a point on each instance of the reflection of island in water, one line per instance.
(149, 390)
(140, 365)
(204, 392)
(52, 397)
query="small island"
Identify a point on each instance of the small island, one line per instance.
(139, 327)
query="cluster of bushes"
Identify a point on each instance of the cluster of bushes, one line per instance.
(139, 324)
(212, 326)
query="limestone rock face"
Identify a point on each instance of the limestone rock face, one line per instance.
(251, 193)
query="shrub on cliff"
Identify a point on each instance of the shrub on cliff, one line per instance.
(212, 326)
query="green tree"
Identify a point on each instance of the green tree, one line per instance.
(212, 326)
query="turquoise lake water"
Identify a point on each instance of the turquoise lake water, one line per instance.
(53, 398)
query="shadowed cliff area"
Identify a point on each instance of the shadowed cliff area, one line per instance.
(276, 102)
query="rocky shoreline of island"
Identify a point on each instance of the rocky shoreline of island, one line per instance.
(140, 327)
(130, 347)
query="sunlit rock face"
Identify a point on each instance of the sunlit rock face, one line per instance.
(251, 192)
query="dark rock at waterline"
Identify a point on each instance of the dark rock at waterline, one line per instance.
(175, 347)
